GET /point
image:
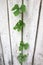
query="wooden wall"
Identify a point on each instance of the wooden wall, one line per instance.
(32, 33)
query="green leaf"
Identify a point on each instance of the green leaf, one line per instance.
(24, 57)
(26, 46)
(19, 25)
(15, 10)
(21, 58)
(22, 43)
(21, 46)
(15, 7)
(22, 8)
(16, 13)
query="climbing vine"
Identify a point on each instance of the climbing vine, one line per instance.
(19, 26)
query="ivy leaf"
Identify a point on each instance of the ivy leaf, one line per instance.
(22, 43)
(21, 46)
(21, 58)
(26, 46)
(15, 10)
(24, 57)
(23, 8)
(15, 7)
(16, 13)
(19, 25)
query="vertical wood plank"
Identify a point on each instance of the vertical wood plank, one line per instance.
(38, 60)
(15, 35)
(38, 21)
(30, 19)
(10, 62)
(1, 52)
(4, 31)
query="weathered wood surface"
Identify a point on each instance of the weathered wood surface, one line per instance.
(38, 59)
(1, 59)
(11, 38)
(30, 19)
(15, 36)
(4, 30)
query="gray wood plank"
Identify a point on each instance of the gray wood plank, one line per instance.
(30, 19)
(2, 62)
(15, 35)
(4, 31)
(38, 60)
(37, 30)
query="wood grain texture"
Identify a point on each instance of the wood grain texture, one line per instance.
(38, 60)
(4, 30)
(30, 19)
(8, 35)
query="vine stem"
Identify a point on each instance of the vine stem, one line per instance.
(22, 29)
